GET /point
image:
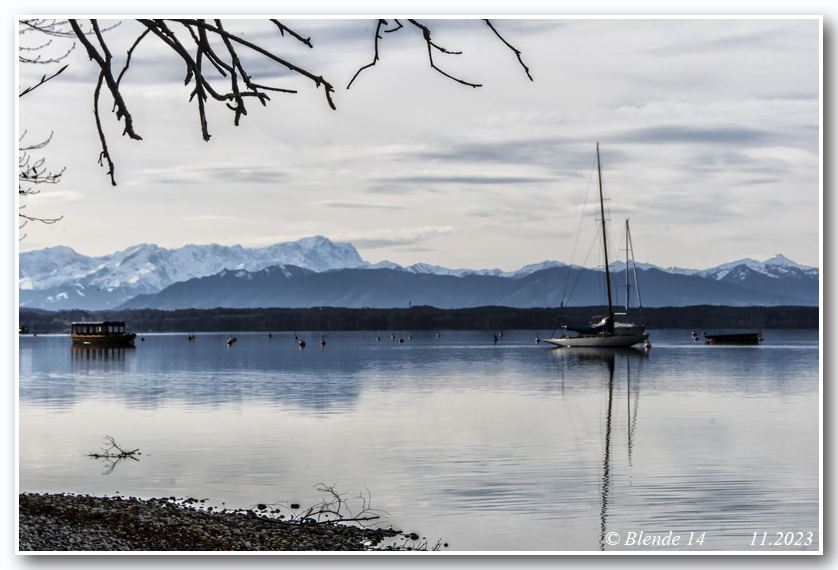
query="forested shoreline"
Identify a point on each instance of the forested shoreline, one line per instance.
(704, 317)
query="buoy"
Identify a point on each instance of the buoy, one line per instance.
(322, 341)
(759, 338)
(437, 335)
(302, 344)
(648, 345)
(295, 335)
(270, 335)
(229, 342)
(378, 338)
(410, 338)
(401, 339)
(537, 340)
(142, 339)
(496, 338)
(393, 336)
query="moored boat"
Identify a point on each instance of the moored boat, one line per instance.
(110, 333)
(607, 332)
(737, 338)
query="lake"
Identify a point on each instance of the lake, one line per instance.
(507, 446)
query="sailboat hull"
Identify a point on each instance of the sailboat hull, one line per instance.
(608, 341)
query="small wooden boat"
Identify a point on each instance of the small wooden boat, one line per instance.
(738, 338)
(110, 333)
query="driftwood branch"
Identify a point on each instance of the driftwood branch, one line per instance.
(113, 450)
(112, 454)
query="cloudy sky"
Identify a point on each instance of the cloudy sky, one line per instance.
(709, 134)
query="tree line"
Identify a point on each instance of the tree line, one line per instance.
(702, 317)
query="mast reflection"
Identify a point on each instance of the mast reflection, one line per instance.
(590, 356)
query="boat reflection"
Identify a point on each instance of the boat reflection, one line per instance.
(630, 360)
(100, 352)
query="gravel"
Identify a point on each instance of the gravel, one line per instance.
(61, 522)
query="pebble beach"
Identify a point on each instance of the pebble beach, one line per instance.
(67, 522)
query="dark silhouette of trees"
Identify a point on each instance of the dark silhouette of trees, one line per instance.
(328, 319)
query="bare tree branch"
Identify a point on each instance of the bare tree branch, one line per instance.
(30, 172)
(43, 80)
(283, 29)
(193, 45)
(375, 58)
(104, 155)
(426, 33)
(510, 46)
(103, 60)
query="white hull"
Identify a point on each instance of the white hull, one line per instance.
(608, 341)
(628, 328)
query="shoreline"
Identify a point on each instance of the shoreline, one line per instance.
(332, 319)
(67, 522)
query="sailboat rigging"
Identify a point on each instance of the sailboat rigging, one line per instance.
(607, 332)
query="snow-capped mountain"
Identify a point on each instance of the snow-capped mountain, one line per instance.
(426, 269)
(777, 266)
(59, 278)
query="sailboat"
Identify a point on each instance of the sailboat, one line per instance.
(606, 332)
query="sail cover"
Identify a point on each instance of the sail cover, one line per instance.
(606, 325)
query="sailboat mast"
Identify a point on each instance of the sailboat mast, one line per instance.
(627, 268)
(604, 238)
(630, 245)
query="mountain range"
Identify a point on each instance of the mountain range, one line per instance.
(315, 271)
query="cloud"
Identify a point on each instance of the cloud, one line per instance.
(394, 237)
(216, 218)
(206, 173)
(469, 179)
(357, 205)
(54, 196)
(696, 135)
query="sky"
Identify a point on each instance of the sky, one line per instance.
(709, 134)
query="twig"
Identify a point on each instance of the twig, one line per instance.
(510, 46)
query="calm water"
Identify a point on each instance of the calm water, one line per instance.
(488, 447)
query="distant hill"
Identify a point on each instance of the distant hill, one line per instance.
(289, 286)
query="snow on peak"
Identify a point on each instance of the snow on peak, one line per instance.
(387, 265)
(148, 268)
(780, 259)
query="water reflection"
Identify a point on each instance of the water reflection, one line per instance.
(489, 439)
(609, 359)
(84, 354)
